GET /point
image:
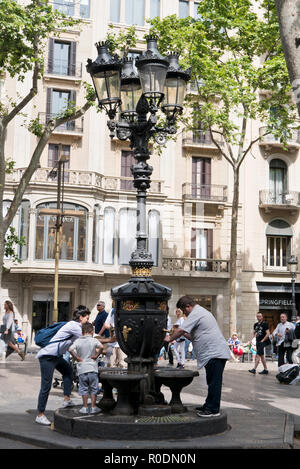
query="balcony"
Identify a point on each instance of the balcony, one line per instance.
(183, 266)
(74, 128)
(286, 201)
(200, 139)
(64, 70)
(210, 193)
(82, 180)
(123, 183)
(269, 141)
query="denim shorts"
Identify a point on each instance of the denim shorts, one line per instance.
(88, 383)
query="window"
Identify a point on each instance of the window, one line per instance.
(183, 9)
(278, 181)
(279, 237)
(127, 160)
(154, 8)
(24, 228)
(127, 234)
(96, 234)
(57, 102)
(74, 234)
(197, 16)
(53, 157)
(84, 8)
(64, 6)
(153, 235)
(202, 247)
(62, 58)
(108, 235)
(115, 11)
(201, 177)
(135, 12)
(5, 207)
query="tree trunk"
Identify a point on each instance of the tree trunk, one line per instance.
(288, 12)
(233, 251)
(2, 185)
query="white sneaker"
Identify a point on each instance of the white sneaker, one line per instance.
(42, 420)
(84, 410)
(95, 410)
(68, 403)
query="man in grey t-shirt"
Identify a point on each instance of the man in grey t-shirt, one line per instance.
(210, 348)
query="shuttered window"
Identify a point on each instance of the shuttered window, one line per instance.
(127, 160)
(202, 247)
(201, 177)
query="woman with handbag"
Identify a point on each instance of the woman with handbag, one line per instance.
(8, 330)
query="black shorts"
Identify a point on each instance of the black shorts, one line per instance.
(260, 346)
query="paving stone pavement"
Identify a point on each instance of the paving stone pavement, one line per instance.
(262, 413)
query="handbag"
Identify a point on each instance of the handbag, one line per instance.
(295, 343)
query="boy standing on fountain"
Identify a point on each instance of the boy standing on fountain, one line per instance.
(85, 351)
(210, 348)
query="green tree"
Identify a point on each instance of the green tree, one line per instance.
(288, 12)
(25, 29)
(234, 51)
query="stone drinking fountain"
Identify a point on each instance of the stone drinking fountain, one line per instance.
(140, 410)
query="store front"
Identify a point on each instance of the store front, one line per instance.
(276, 298)
(42, 307)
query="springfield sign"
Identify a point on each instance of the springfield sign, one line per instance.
(276, 302)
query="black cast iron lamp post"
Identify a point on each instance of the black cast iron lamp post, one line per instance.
(293, 265)
(141, 305)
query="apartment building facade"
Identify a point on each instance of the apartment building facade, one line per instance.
(188, 205)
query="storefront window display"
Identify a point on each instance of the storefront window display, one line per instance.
(73, 240)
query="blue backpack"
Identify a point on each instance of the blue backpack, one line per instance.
(43, 336)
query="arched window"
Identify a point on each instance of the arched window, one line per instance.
(127, 234)
(279, 236)
(153, 235)
(74, 234)
(108, 235)
(278, 180)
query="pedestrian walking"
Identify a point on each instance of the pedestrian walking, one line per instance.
(85, 350)
(8, 330)
(210, 348)
(51, 358)
(261, 333)
(283, 333)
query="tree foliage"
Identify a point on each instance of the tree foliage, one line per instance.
(234, 50)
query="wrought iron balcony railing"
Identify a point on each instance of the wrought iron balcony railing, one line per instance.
(190, 264)
(207, 192)
(198, 137)
(282, 200)
(292, 139)
(75, 126)
(64, 68)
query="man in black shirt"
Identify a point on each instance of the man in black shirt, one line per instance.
(100, 319)
(261, 333)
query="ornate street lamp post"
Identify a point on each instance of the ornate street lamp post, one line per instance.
(135, 96)
(293, 265)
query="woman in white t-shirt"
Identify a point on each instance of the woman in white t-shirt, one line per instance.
(179, 344)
